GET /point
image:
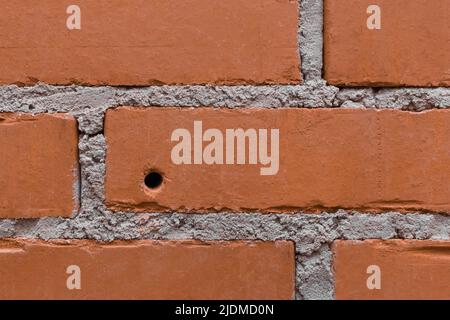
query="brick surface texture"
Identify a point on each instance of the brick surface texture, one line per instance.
(142, 42)
(360, 159)
(148, 270)
(239, 149)
(411, 47)
(409, 269)
(39, 165)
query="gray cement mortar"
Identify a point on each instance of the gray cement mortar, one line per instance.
(313, 234)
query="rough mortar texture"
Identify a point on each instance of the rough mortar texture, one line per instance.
(312, 233)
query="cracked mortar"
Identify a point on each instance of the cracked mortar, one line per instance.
(313, 234)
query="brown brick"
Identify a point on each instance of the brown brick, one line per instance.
(409, 269)
(412, 47)
(147, 270)
(362, 159)
(140, 42)
(38, 165)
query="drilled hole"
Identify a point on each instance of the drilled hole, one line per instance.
(153, 180)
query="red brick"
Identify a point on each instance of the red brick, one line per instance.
(412, 48)
(140, 42)
(328, 158)
(409, 269)
(147, 270)
(38, 165)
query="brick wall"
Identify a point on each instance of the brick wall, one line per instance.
(238, 149)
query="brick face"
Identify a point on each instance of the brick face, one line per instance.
(412, 47)
(408, 269)
(38, 165)
(364, 159)
(140, 42)
(146, 270)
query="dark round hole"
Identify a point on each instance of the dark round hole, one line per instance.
(153, 180)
